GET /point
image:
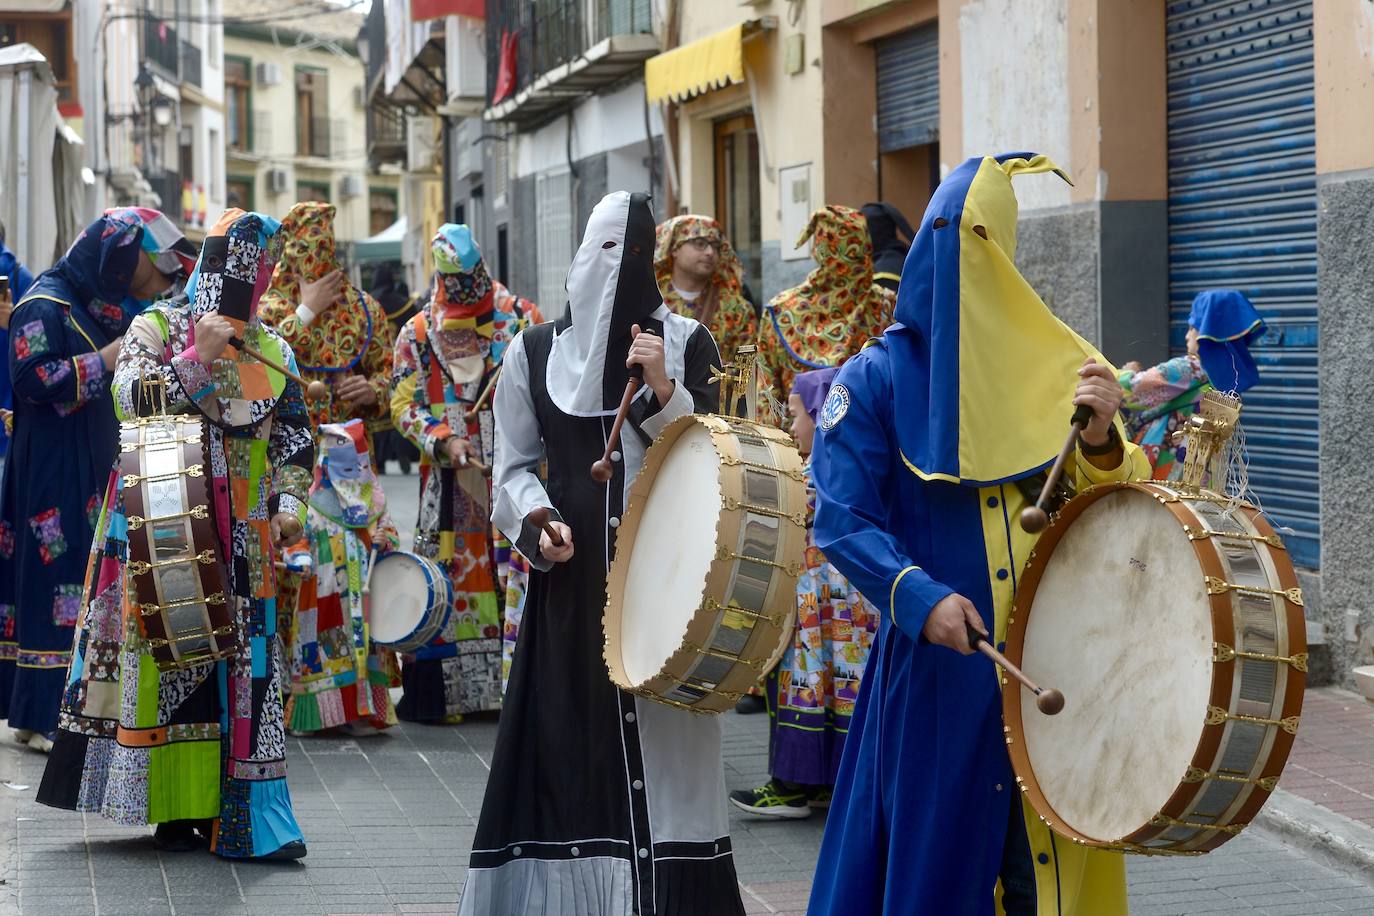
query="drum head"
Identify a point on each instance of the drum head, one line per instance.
(673, 549)
(400, 598)
(1121, 623)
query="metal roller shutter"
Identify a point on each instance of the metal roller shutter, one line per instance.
(908, 89)
(1243, 214)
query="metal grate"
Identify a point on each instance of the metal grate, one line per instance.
(909, 89)
(1243, 215)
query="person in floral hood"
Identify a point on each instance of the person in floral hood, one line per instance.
(199, 749)
(338, 332)
(448, 357)
(338, 678)
(701, 277)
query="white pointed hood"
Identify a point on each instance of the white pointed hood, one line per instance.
(610, 286)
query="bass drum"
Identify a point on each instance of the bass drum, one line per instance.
(411, 598)
(702, 594)
(1172, 622)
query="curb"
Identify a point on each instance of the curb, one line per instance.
(1333, 839)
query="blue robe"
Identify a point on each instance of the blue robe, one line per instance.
(20, 281)
(922, 803)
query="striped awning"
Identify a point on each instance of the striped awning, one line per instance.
(698, 67)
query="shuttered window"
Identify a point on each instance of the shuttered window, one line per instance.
(1243, 215)
(908, 88)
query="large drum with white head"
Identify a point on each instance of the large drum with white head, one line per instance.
(702, 593)
(1172, 622)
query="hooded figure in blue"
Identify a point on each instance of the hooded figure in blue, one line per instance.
(63, 338)
(921, 444)
(20, 280)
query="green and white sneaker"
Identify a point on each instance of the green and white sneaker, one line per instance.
(819, 796)
(772, 800)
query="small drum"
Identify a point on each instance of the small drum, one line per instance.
(702, 593)
(1173, 623)
(177, 578)
(411, 600)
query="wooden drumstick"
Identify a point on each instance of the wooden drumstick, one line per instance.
(316, 390)
(1049, 700)
(482, 398)
(1034, 519)
(540, 517)
(602, 469)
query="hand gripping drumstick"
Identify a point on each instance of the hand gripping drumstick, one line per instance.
(540, 517)
(482, 398)
(1034, 519)
(1049, 700)
(602, 470)
(314, 390)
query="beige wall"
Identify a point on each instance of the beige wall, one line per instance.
(789, 114)
(348, 136)
(1343, 36)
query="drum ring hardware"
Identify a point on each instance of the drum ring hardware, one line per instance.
(194, 470)
(217, 631)
(1197, 774)
(1217, 586)
(1218, 716)
(1164, 820)
(150, 609)
(179, 440)
(650, 695)
(138, 567)
(732, 462)
(797, 518)
(711, 604)
(1153, 851)
(1194, 534)
(756, 664)
(1224, 653)
(136, 521)
(725, 553)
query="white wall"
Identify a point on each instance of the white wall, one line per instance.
(1013, 97)
(600, 124)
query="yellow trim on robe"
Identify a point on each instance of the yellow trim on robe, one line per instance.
(892, 597)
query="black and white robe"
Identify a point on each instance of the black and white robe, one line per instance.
(599, 802)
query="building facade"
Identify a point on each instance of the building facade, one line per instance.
(295, 119)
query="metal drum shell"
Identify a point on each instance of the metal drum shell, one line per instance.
(773, 622)
(221, 630)
(1178, 828)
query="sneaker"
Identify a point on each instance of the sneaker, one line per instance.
(749, 704)
(176, 836)
(455, 719)
(22, 735)
(819, 796)
(772, 800)
(40, 743)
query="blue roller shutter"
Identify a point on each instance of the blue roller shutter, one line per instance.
(908, 88)
(1243, 214)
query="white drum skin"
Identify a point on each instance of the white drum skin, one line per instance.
(410, 600)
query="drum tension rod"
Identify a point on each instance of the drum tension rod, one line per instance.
(1223, 653)
(138, 567)
(1197, 774)
(1163, 820)
(724, 656)
(1218, 716)
(150, 609)
(136, 522)
(1195, 534)
(199, 634)
(714, 606)
(1217, 586)
(195, 470)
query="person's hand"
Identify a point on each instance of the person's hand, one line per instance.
(1132, 366)
(212, 336)
(110, 353)
(460, 451)
(321, 295)
(561, 553)
(647, 350)
(945, 625)
(357, 391)
(1099, 389)
(6, 309)
(286, 530)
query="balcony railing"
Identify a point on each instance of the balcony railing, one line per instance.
(374, 37)
(190, 64)
(550, 33)
(312, 139)
(160, 45)
(386, 133)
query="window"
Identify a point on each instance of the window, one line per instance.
(312, 112)
(238, 192)
(737, 193)
(381, 209)
(51, 35)
(312, 190)
(238, 102)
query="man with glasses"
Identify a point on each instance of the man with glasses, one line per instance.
(701, 277)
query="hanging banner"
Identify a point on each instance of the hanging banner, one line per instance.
(421, 10)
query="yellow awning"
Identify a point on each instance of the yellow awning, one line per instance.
(700, 66)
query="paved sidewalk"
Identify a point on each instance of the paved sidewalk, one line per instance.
(1332, 762)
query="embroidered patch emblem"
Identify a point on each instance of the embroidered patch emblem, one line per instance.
(31, 340)
(835, 407)
(6, 540)
(47, 527)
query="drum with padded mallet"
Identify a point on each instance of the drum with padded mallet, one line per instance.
(411, 599)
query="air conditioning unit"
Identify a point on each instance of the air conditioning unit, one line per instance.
(268, 73)
(351, 186)
(359, 97)
(276, 180)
